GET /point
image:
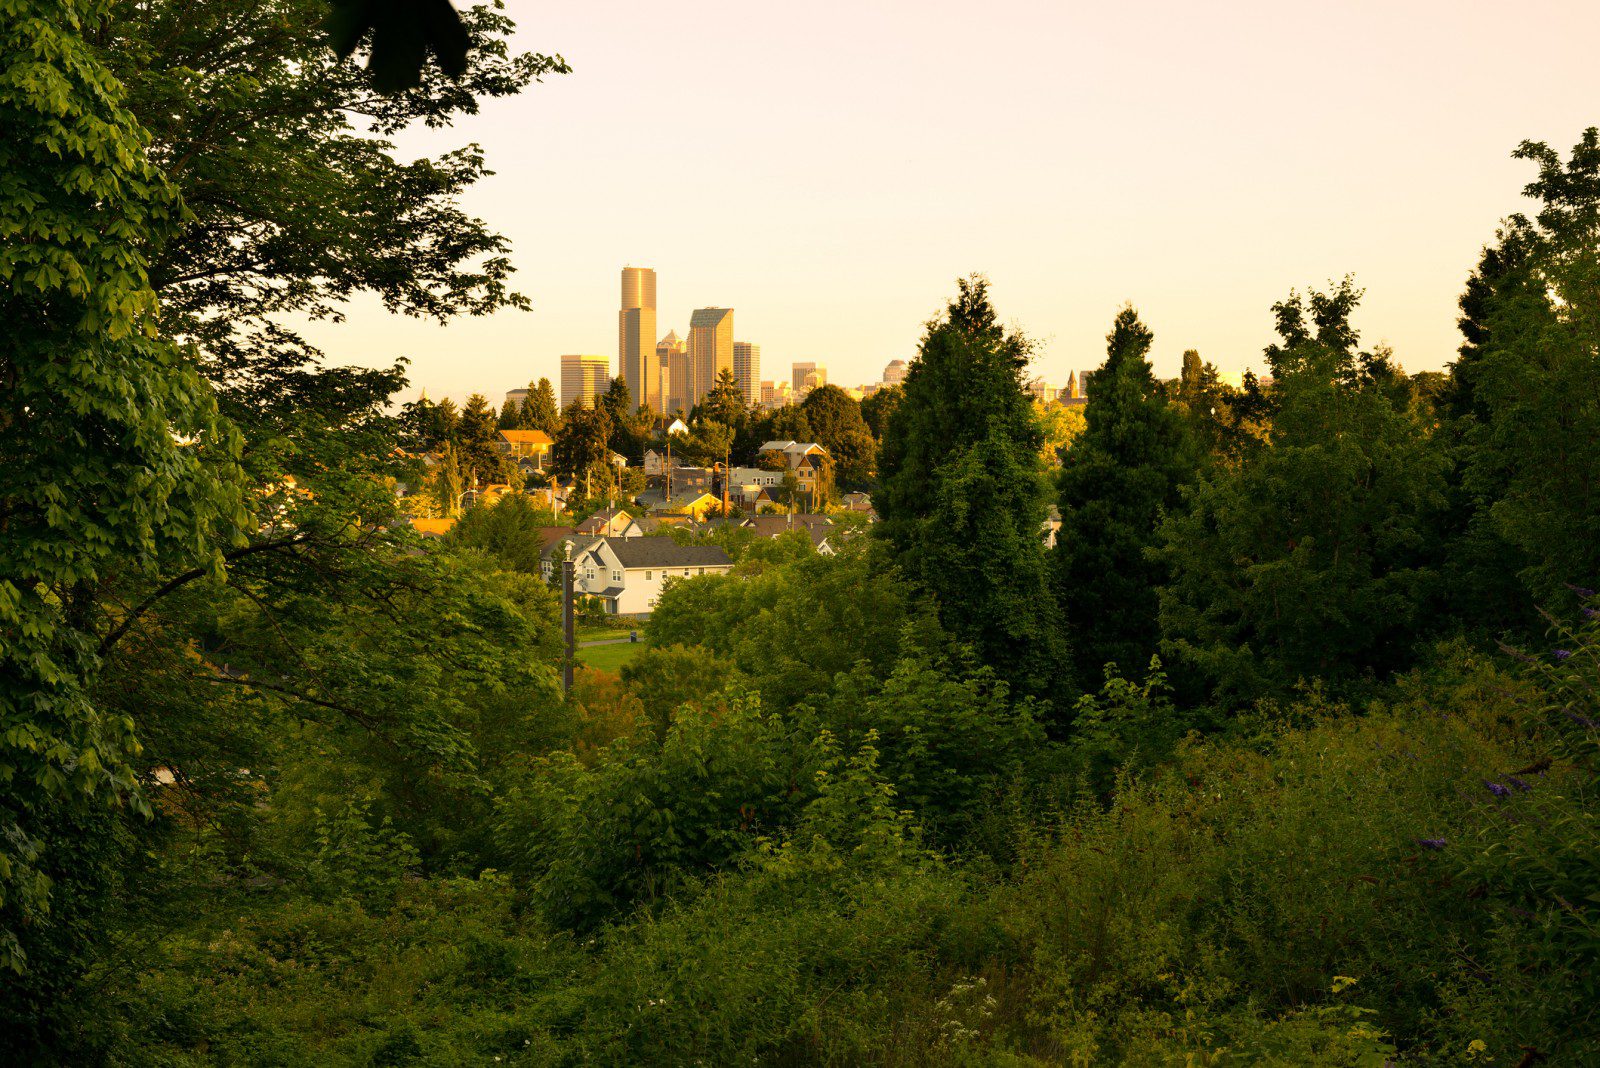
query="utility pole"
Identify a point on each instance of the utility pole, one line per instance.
(569, 572)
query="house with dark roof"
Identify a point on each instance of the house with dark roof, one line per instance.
(816, 527)
(628, 574)
(610, 522)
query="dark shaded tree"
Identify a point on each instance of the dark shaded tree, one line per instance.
(1118, 480)
(961, 494)
(836, 424)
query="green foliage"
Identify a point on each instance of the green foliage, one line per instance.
(640, 819)
(666, 678)
(1118, 480)
(836, 423)
(960, 472)
(1126, 726)
(508, 529)
(1309, 559)
(113, 457)
(1530, 378)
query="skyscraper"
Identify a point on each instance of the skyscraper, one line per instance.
(807, 377)
(710, 350)
(895, 373)
(673, 356)
(636, 329)
(584, 378)
(747, 369)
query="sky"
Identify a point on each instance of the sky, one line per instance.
(829, 169)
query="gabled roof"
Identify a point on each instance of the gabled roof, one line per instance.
(664, 552)
(775, 446)
(600, 519)
(549, 535)
(771, 526)
(433, 528)
(526, 437)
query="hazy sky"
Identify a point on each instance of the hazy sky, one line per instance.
(828, 170)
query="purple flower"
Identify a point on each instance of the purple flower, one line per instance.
(1562, 654)
(1431, 843)
(1496, 789)
(1581, 591)
(1582, 721)
(1519, 784)
(1592, 613)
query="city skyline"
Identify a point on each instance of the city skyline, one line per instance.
(1382, 152)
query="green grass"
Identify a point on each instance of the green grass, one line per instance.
(594, 634)
(609, 657)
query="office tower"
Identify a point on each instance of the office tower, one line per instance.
(807, 377)
(636, 325)
(895, 373)
(769, 395)
(519, 397)
(710, 350)
(583, 378)
(672, 355)
(747, 369)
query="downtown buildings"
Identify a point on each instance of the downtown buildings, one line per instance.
(583, 378)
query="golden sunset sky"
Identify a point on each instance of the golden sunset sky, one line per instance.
(828, 169)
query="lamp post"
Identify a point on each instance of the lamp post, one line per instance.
(569, 571)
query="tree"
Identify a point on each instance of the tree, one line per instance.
(725, 404)
(1528, 381)
(875, 409)
(481, 461)
(114, 460)
(836, 424)
(1118, 479)
(961, 498)
(1311, 558)
(1060, 424)
(232, 90)
(539, 410)
(510, 415)
(582, 447)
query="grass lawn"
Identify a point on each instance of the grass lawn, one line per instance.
(609, 657)
(594, 634)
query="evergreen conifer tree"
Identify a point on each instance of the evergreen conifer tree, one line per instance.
(962, 498)
(1118, 479)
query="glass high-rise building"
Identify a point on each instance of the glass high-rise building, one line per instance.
(636, 338)
(710, 350)
(673, 356)
(747, 370)
(583, 378)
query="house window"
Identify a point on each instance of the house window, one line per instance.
(702, 571)
(647, 576)
(685, 572)
(616, 576)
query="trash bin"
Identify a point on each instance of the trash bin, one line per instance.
(633, 635)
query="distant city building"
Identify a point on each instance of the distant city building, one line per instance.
(636, 326)
(807, 377)
(583, 378)
(1072, 384)
(672, 355)
(1043, 392)
(747, 369)
(775, 394)
(710, 350)
(518, 397)
(895, 373)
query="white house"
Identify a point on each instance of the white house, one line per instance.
(628, 574)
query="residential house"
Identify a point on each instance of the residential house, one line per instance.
(628, 574)
(610, 523)
(693, 503)
(433, 528)
(805, 458)
(533, 445)
(817, 527)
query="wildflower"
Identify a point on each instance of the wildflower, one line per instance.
(1582, 721)
(1581, 591)
(1431, 843)
(1496, 789)
(1562, 654)
(1520, 784)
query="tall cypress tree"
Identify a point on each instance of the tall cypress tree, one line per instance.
(1118, 479)
(962, 496)
(540, 410)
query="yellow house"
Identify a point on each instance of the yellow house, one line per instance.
(526, 444)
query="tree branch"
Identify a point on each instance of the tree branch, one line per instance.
(179, 581)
